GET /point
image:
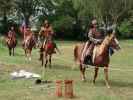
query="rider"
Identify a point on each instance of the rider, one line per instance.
(11, 32)
(27, 35)
(46, 32)
(95, 37)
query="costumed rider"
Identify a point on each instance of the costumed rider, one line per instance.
(46, 32)
(95, 37)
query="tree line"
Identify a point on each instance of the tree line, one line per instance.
(69, 18)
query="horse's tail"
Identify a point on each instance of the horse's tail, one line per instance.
(76, 53)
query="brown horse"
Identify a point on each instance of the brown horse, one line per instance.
(28, 45)
(11, 44)
(47, 51)
(100, 56)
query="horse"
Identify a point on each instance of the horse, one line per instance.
(100, 57)
(46, 52)
(11, 44)
(28, 45)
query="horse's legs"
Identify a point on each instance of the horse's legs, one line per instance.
(50, 56)
(13, 51)
(42, 58)
(10, 51)
(82, 70)
(29, 55)
(46, 58)
(96, 73)
(25, 51)
(106, 76)
(46, 62)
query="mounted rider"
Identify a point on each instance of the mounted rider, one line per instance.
(11, 33)
(27, 35)
(95, 37)
(46, 32)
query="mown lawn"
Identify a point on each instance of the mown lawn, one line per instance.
(121, 75)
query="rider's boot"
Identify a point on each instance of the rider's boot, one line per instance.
(88, 57)
(84, 52)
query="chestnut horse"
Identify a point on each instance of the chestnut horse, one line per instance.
(100, 56)
(11, 44)
(47, 51)
(28, 45)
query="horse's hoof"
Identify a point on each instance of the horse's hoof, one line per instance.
(108, 87)
(83, 80)
(29, 59)
(93, 81)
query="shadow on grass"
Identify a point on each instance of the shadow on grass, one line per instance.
(115, 84)
(63, 67)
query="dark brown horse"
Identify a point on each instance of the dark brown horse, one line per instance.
(47, 51)
(100, 56)
(28, 45)
(11, 44)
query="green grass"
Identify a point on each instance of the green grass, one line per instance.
(64, 68)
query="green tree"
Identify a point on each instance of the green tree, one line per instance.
(26, 8)
(6, 7)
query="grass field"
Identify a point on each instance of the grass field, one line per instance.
(121, 75)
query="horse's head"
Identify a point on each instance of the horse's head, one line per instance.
(112, 41)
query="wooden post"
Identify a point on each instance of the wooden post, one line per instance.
(58, 90)
(68, 88)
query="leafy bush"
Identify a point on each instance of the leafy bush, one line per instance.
(126, 29)
(63, 26)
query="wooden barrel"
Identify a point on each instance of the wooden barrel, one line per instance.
(58, 89)
(68, 89)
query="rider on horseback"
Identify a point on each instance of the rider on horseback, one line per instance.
(95, 37)
(46, 32)
(27, 35)
(11, 33)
